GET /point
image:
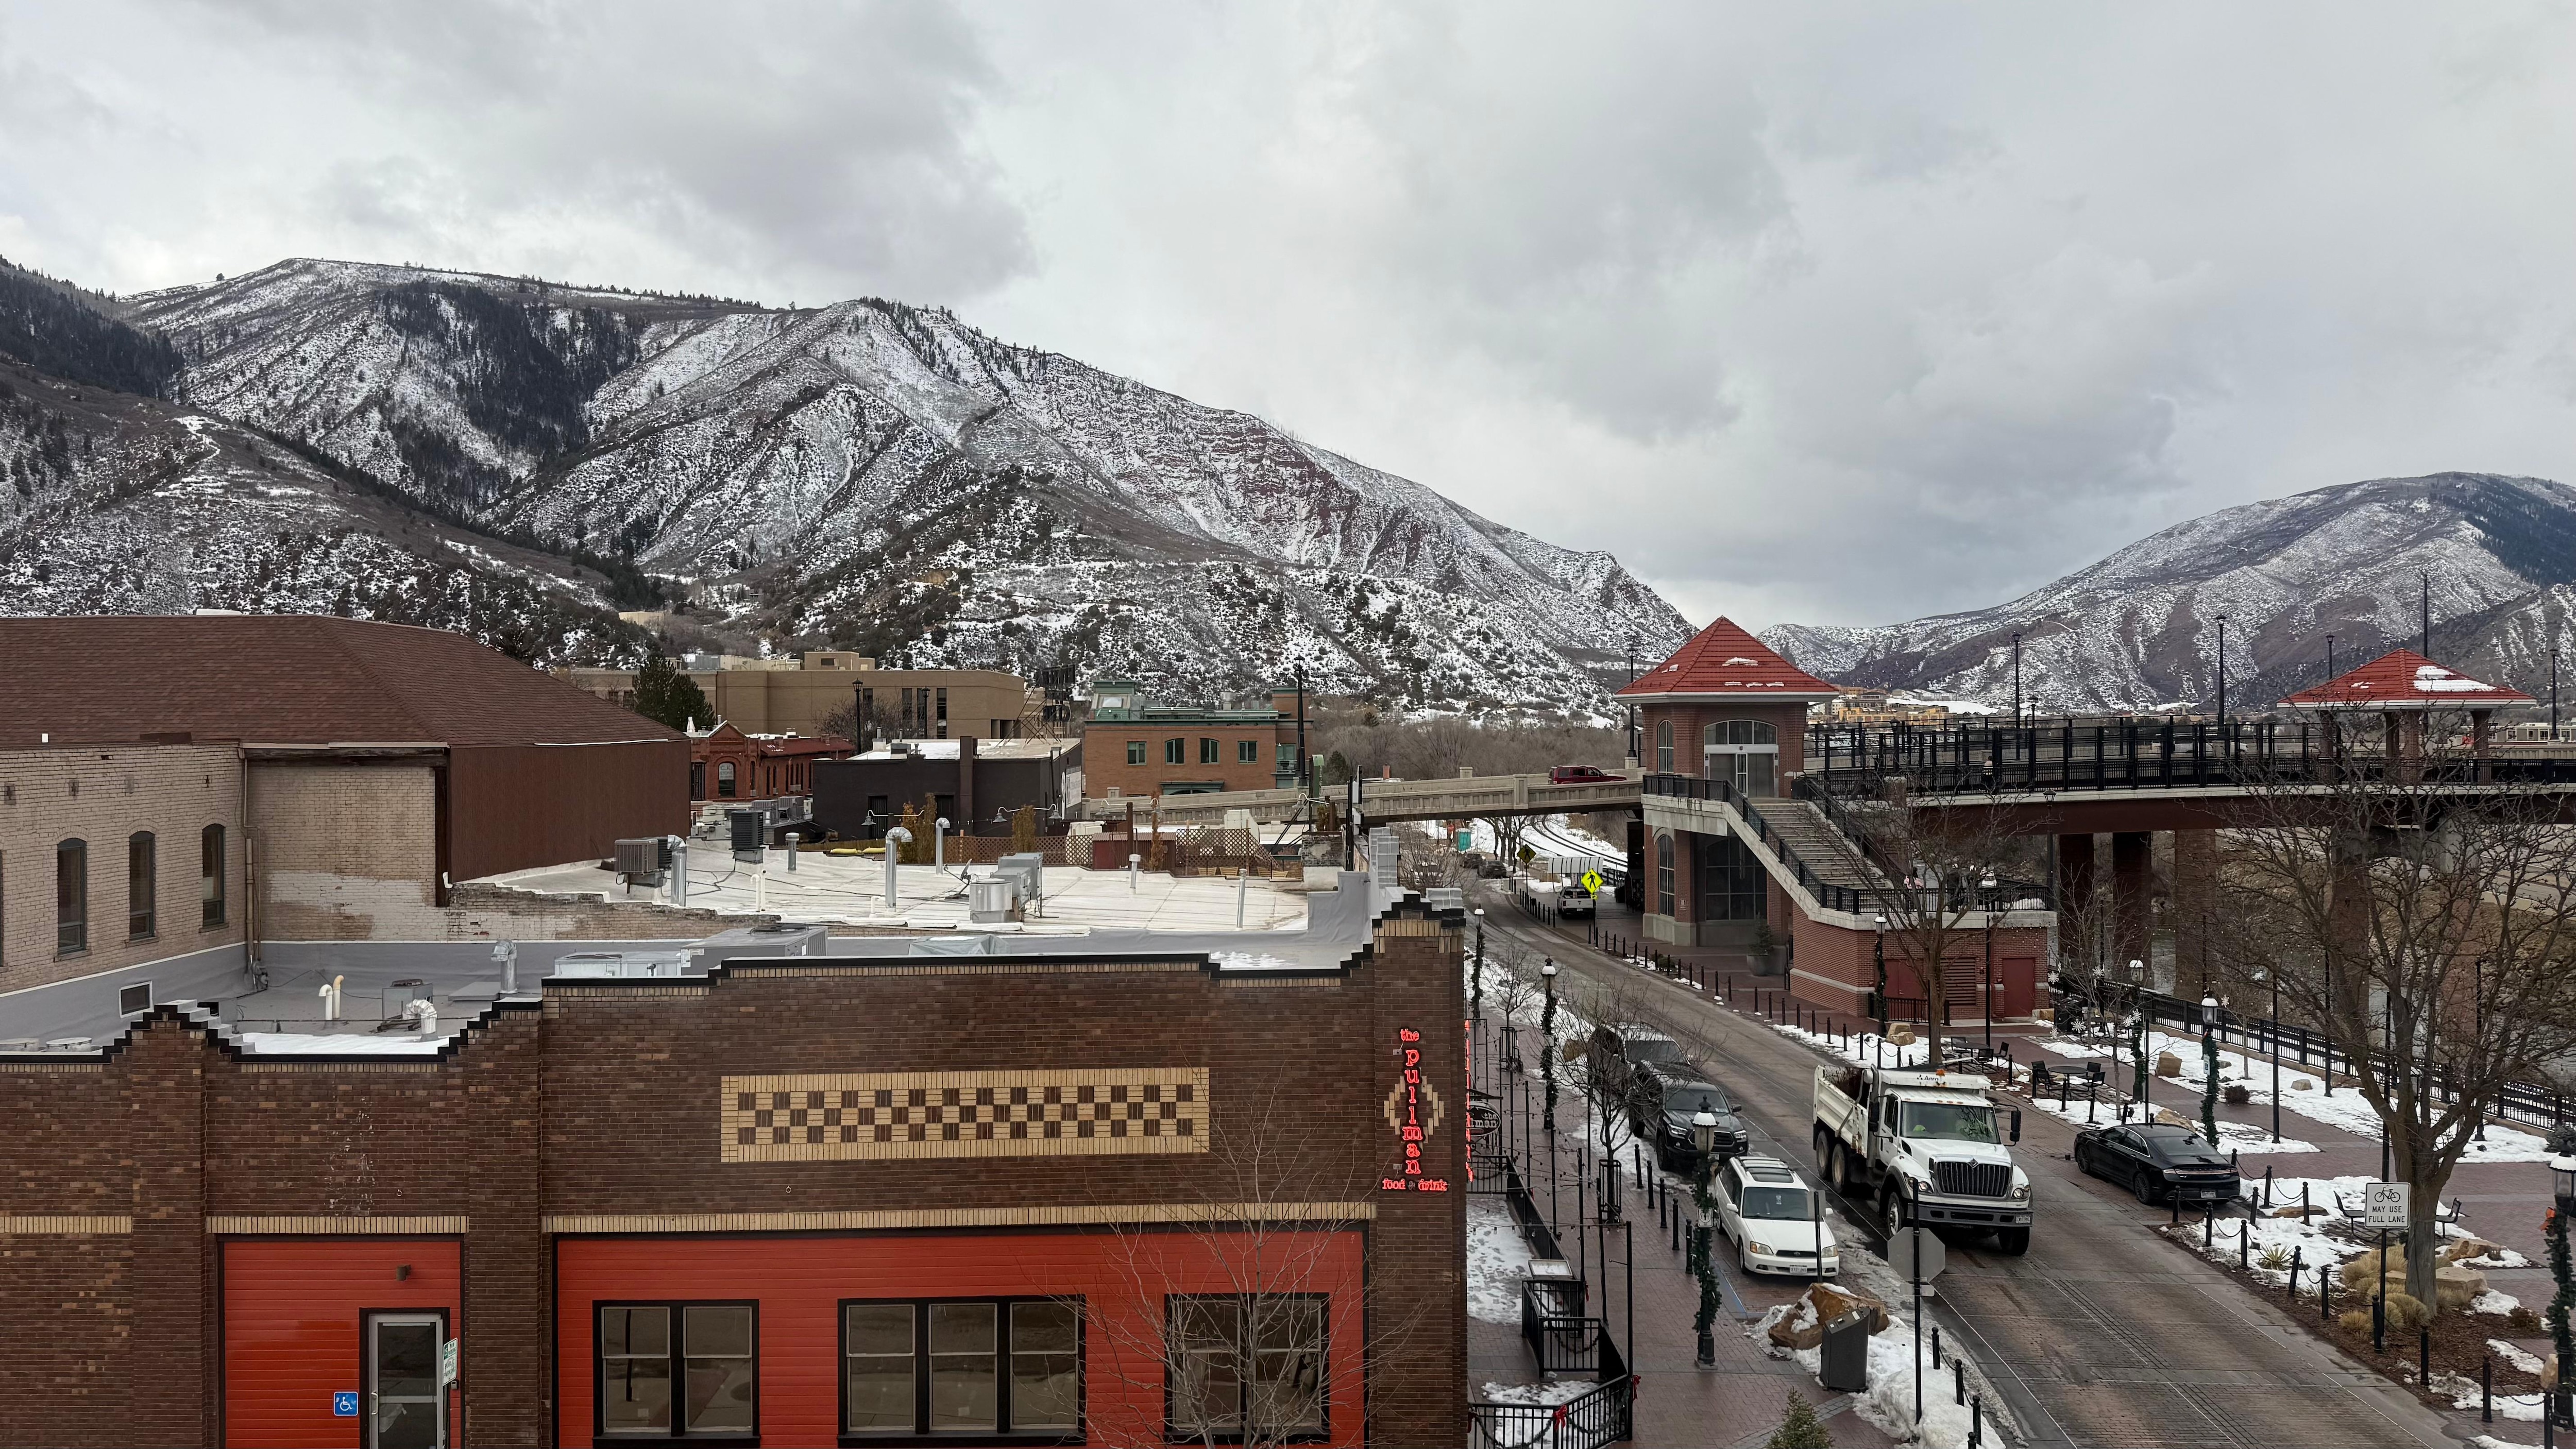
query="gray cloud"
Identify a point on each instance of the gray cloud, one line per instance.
(1820, 314)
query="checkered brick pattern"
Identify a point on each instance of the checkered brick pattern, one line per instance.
(863, 1115)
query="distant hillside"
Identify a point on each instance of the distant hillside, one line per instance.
(55, 327)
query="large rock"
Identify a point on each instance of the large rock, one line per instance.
(2168, 1065)
(1804, 1325)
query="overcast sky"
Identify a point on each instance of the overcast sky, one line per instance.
(1815, 313)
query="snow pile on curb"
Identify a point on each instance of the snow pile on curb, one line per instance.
(1865, 1048)
(1551, 1393)
(1888, 1403)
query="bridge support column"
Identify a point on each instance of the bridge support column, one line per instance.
(2132, 858)
(2079, 944)
(2195, 898)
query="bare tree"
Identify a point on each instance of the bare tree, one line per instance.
(1945, 868)
(1278, 1330)
(2425, 918)
(1616, 1093)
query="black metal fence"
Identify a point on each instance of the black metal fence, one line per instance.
(2129, 755)
(2538, 1104)
(1832, 896)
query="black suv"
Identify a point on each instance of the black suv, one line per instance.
(1667, 1110)
(1647, 1050)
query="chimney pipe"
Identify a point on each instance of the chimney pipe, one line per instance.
(966, 782)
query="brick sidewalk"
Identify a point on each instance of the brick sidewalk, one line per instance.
(1738, 1401)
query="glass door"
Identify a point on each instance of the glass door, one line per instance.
(405, 1408)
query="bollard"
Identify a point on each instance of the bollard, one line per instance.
(2267, 1190)
(2177, 1209)
(2325, 1293)
(1958, 1380)
(2424, 1358)
(2208, 1227)
(1977, 1422)
(2297, 1252)
(1936, 1348)
(2245, 1245)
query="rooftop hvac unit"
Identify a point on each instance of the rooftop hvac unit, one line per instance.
(595, 965)
(1026, 871)
(1382, 856)
(988, 901)
(401, 994)
(1446, 898)
(750, 834)
(784, 939)
(640, 862)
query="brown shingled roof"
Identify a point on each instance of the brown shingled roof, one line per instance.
(294, 679)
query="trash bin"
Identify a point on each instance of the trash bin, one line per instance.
(1845, 1366)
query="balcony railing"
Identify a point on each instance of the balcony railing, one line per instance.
(2136, 755)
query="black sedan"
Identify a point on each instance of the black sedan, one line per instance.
(1669, 1128)
(2158, 1162)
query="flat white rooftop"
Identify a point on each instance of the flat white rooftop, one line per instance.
(850, 890)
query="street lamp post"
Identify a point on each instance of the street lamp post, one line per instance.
(1547, 1072)
(2209, 1067)
(2142, 1084)
(1704, 1138)
(2275, 974)
(1988, 886)
(2016, 679)
(2222, 683)
(1476, 979)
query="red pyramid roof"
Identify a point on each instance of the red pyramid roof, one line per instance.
(1723, 659)
(2404, 679)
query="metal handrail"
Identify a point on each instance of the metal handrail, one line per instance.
(2132, 755)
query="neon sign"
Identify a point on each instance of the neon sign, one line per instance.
(1413, 1110)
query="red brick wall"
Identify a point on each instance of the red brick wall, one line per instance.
(1847, 961)
(1789, 718)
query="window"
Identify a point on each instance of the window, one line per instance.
(141, 894)
(71, 896)
(992, 1366)
(1732, 885)
(1743, 752)
(1664, 746)
(697, 779)
(907, 712)
(1207, 751)
(1247, 752)
(1663, 875)
(710, 1360)
(724, 779)
(943, 711)
(1176, 752)
(1135, 752)
(210, 876)
(1246, 1366)
(134, 1000)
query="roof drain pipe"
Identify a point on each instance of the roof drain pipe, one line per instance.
(507, 953)
(679, 845)
(895, 838)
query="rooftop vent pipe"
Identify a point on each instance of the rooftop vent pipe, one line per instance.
(894, 840)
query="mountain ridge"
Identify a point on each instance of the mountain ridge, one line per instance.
(883, 476)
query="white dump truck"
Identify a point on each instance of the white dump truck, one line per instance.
(1922, 1146)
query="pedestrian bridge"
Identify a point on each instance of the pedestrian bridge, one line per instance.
(1385, 801)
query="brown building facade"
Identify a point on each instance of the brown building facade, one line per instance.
(798, 696)
(1135, 747)
(792, 1202)
(726, 764)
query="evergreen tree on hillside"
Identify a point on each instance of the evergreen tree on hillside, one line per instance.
(666, 696)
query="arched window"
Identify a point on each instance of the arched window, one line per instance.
(1664, 872)
(1744, 752)
(71, 896)
(210, 876)
(142, 891)
(724, 779)
(1663, 747)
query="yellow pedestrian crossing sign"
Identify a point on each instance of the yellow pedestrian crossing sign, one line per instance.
(1592, 881)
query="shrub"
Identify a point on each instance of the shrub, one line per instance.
(2523, 1323)
(2356, 1320)
(2276, 1258)
(2361, 1272)
(2236, 1095)
(2407, 1313)
(1799, 1427)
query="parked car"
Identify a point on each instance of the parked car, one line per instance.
(1773, 1218)
(1580, 775)
(1643, 1048)
(1679, 1103)
(2157, 1161)
(1573, 900)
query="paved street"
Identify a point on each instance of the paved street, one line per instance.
(2104, 1334)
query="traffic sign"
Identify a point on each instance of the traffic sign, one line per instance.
(1917, 1255)
(344, 1404)
(1592, 881)
(447, 1363)
(2384, 1204)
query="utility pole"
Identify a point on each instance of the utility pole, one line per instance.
(1305, 770)
(2222, 680)
(2016, 641)
(2425, 576)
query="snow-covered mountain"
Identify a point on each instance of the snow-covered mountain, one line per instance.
(886, 478)
(2139, 628)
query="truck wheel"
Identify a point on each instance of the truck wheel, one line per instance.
(2014, 1241)
(1891, 1212)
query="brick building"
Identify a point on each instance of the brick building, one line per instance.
(798, 695)
(1109, 1199)
(1136, 747)
(325, 778)
(726, 764)
(1732, 856)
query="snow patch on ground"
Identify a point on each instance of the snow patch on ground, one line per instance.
(1498, 1261)
(1553, 1392)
